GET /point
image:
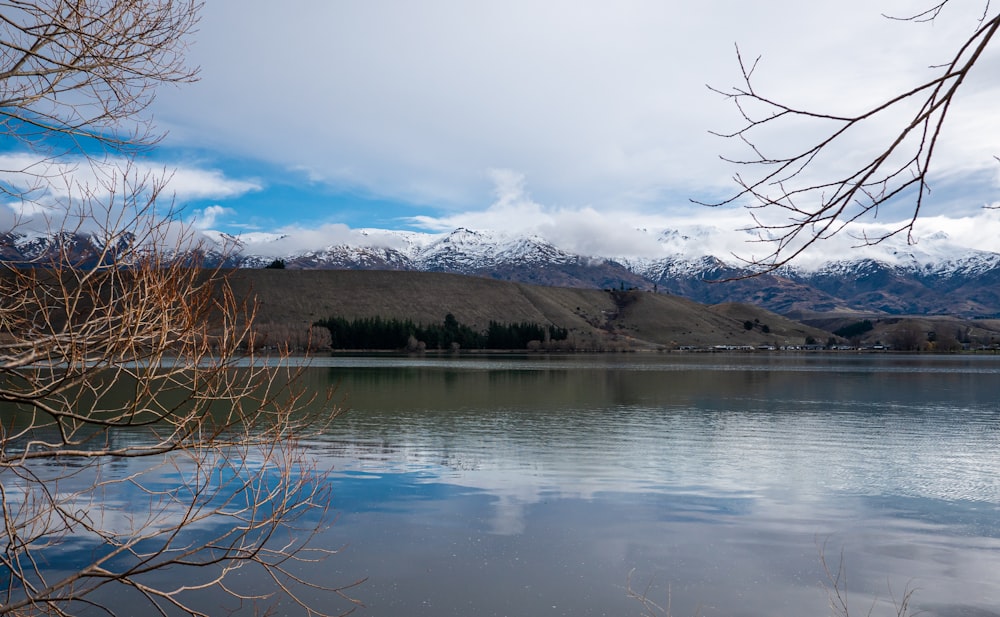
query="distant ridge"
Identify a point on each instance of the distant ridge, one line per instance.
(938, 279)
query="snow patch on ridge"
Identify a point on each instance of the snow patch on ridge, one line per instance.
(684, 252)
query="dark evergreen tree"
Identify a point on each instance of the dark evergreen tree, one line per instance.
(381, 333)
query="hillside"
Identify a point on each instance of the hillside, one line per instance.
(291, 300)
(940, 278)
(895, 277)
(912, 332)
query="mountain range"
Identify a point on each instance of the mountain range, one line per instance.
(934, 277)
(894, 278)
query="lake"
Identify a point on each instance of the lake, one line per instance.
(719, 484)
(543, 485)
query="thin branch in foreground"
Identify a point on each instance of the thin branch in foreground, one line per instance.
(812, 209)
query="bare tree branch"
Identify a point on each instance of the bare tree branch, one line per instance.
(87, 70)
(817, 209)
(139, 432)
(140, 355)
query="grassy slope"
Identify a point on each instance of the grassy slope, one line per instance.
(290, 300)
(976, 331)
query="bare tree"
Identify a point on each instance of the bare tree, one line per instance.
(141, 433)
(147, 456)
(87, 69)
(816, 208)
(907, 336)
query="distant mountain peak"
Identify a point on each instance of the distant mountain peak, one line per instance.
(933, 276)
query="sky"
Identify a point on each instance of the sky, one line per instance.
(579, 120)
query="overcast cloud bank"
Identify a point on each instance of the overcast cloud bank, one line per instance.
(585, 123)
(601, 106)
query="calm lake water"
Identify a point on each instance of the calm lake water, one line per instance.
(535, 485)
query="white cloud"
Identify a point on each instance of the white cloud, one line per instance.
(295, 239)
(979, 231)
(600, 104)
(208, 218)
(512, 210)
(71, 188)
(587, 230)
(187, 183)
(724, 233)
(68, 176)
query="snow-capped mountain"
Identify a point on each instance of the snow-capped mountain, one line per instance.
(472, 252)
(932, 277)
(80, 250)
(527, 258)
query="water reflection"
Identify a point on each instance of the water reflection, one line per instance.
(532, 486)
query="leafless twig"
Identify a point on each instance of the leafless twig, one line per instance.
(817, 209)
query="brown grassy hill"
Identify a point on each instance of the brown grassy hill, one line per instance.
(291, 300)
(914, 332)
